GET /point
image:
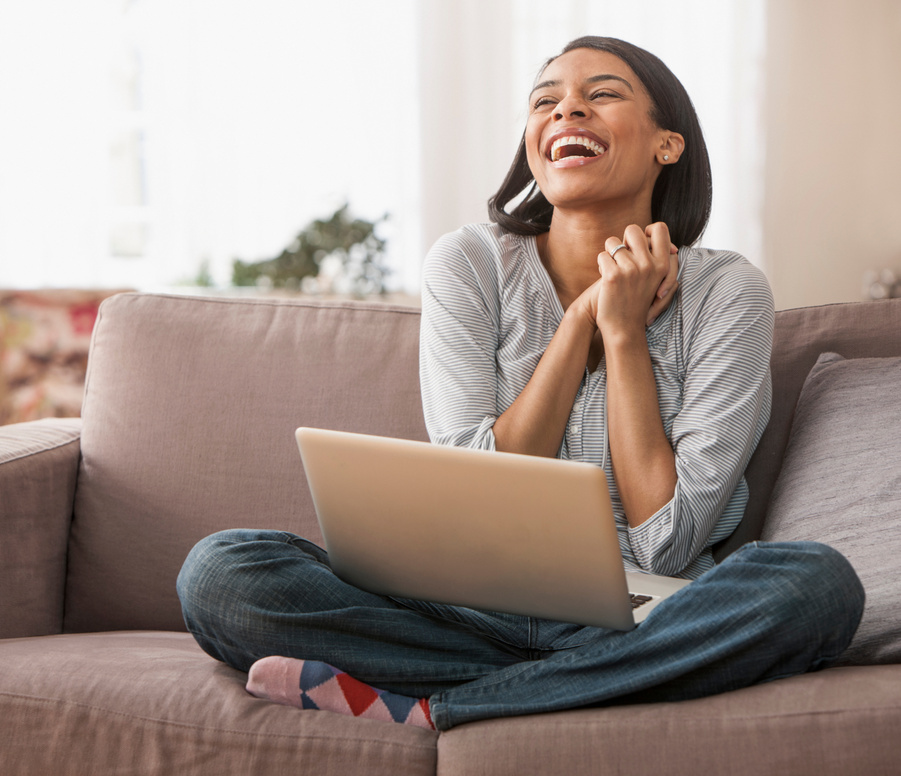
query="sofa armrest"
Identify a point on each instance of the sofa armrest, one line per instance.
(38, 469)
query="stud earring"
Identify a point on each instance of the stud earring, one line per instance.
(666, 157)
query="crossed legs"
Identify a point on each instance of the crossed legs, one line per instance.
(770, 610)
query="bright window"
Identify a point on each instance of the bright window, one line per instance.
(143, 140)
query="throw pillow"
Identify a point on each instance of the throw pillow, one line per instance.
(840, 484)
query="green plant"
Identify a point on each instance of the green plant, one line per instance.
(204, 278)
(350, 244)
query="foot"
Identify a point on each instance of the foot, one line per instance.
(309, 684)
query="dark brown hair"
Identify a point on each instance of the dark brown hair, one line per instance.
(683, 192)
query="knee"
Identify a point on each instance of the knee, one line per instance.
(215, 570)
(203, 569)
(241, 567)
(811, 565)
(842, 586)
(813, 583)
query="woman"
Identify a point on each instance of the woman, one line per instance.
(561, 330)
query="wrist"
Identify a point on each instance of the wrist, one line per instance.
(579, 314)
(622, 338)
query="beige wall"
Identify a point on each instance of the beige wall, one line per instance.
(832, 106)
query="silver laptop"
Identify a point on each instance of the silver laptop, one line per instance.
(486, 530)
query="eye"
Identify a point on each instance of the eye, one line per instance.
(602, 93)
(542, 101)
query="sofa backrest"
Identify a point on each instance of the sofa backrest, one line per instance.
(188, 428)
(190, 407)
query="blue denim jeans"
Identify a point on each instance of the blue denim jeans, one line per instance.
(768, 611)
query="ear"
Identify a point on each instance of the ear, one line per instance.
(672, 144)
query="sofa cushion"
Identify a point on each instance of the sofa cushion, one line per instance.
(188, 428)
(856, 329)
(841, 484)
(830, 723)
(153, 703)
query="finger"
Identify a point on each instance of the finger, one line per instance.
(606, 262)
(614, 259)
(638, 253)
(660, 304)
(636, 240)
(670, 281)
(611, 244)
(658, 238)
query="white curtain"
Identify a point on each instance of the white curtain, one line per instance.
(716, 49)
(142, 139)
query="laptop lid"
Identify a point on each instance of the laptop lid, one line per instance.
(487, 530)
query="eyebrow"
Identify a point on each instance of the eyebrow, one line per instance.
(593, 80)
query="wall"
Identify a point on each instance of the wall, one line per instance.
(832, 202)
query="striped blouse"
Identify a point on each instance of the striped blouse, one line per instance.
(489, 310)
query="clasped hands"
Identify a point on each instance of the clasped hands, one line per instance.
(636, 285)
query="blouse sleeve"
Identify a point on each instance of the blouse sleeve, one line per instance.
(726, 402)
(458, 342)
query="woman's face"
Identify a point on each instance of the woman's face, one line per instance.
(589, 138)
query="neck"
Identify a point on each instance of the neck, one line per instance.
(570, 248)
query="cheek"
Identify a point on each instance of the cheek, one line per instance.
(531, 137)
(533, 158)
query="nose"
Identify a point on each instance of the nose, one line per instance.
(569, 107)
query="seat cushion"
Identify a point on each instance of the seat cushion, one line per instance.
(188, 428)
(153, 703)
(832, 723)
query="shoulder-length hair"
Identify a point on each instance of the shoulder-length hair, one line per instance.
(683, 192)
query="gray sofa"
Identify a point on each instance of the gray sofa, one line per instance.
(187, 428)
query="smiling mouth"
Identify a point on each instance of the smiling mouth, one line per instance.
(575, 145)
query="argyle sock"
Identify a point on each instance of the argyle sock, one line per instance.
(309, 684)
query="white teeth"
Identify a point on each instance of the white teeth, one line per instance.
(590, 144)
